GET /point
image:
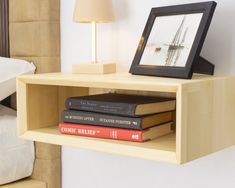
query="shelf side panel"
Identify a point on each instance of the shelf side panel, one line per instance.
(22, 107)
(208, 120)
(181, 131)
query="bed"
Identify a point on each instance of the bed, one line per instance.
(25, 27)
(16, 155)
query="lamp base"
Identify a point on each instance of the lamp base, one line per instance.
(94, 68)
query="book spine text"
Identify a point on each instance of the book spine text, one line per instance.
(71, 116)
(101, 132)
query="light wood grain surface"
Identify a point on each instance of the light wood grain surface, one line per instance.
(205, 108)
(161, 149)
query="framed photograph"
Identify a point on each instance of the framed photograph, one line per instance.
(172, 40)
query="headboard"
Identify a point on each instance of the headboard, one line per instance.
(30, 30)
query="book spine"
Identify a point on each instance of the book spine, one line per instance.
(82, 117)
(102, 107)
(101, 132)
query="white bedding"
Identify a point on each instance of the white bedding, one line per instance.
(16, 155)
(9, 69)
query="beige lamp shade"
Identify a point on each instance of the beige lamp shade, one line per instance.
(99, 11)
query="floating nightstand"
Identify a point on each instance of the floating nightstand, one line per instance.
(205, 109)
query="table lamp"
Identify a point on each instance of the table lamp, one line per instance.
(93, 11)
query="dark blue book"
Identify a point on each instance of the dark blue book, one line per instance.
(121, 104)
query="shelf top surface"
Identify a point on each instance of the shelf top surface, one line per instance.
(115, 81)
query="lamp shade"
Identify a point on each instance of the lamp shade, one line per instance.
(99, 11)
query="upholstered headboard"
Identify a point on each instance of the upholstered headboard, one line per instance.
(34, 34)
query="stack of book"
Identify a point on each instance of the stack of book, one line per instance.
(118, 116)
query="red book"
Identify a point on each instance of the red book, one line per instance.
(115, 133)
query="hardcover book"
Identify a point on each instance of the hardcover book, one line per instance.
(115, 133)
(93, 118)
(121, 104)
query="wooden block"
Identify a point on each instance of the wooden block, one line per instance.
(35, 39)
(91, 68)
(26, 183)
(28, 10)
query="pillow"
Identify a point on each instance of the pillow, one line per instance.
(9, 69)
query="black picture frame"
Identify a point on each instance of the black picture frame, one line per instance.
(194, 62)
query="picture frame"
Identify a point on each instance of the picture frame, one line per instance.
(172, 40)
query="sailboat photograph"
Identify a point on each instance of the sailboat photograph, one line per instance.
(171, 40)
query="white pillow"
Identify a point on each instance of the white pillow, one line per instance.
(9, 69)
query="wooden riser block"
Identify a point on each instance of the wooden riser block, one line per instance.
(91, 68)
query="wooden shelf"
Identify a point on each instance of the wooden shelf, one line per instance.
(162, 149)
(205, 108)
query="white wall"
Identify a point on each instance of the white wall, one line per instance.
(117, 43)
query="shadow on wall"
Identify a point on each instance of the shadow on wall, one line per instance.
(219, 46)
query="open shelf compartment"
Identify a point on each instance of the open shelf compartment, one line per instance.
(203, 113)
